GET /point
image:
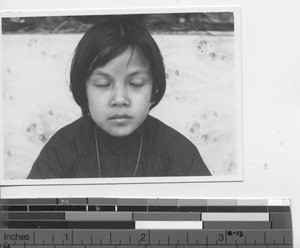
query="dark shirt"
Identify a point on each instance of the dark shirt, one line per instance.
(71, 153)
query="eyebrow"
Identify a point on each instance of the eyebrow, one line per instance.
(134, 73)
(101, 73)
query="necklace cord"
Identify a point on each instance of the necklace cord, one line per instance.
(97, 152)
(98, 157)
(139, 156)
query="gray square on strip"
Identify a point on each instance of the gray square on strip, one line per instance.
(255, 246)
(159, 246)
(192, 202)
(42, 201)
(100, 246)
(194, 246)
(162, 202)
(102, 201)
(252, 202)
(130, 246)
(72, 201)
(221, 202)
(69, 246)
(31, 246)
(280, 246)
(132, 201)
(222, 246)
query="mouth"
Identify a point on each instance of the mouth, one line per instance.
(120, 118)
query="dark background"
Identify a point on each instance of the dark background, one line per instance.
(220, 21)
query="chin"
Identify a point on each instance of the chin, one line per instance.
(120, 133)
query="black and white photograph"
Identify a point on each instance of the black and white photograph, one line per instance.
(122, 97)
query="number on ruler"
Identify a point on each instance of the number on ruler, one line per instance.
(143, 237)
(221, 237)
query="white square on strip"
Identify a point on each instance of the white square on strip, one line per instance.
(168, 225)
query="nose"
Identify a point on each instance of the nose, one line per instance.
(120, 96)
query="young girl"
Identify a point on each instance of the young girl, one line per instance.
(117, 77)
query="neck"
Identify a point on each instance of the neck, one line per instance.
(107, 138)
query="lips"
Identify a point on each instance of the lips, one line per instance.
(120, 117)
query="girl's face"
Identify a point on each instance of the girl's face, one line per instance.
(119, 93)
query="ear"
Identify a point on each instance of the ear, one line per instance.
(151, 104)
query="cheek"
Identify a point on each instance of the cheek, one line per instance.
(145, 99)
(145, 104)
(148, 94)
(94, 101)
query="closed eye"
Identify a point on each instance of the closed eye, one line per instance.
(105, 85)
(102, 83)
(137, 84)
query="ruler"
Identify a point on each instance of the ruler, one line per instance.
(145, 223)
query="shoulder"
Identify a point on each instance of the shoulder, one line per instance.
(72, 133)
(178, 153)
(57, 157)
(168, 136)
(72, 128)
(68, 142)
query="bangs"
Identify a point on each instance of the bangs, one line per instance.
(111, 52)
(105, 55)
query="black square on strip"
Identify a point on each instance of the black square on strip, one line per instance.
(252, 209)
(42, 208)
(101, 208)
(162, 209)
(13, 201)
(33, 224)
(100, 225)
(15, 208)
(132, 208)
(276, 209)
(36, 216)
(222, 209)
(42, 201)
(4, 207)
(286, 209)
(199, 209)
(70, 208)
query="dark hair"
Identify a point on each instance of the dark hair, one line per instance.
(105, 41)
